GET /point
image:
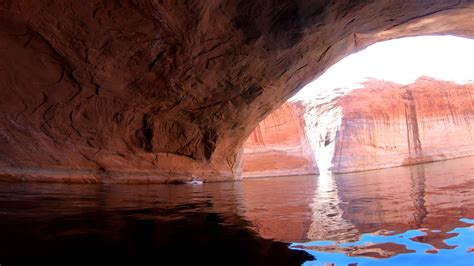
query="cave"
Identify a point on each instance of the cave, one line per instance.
(118, 117)
(152, 92)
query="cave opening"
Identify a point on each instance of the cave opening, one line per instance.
(397, 102)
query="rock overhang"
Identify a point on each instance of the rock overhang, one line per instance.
(145, 91)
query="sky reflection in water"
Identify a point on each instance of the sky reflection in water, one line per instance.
(418, 252)
(419, 242)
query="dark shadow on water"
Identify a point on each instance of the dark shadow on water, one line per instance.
(141, 224)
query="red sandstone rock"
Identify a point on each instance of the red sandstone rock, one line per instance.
(279, 146)
(150, 91)
(387, 124)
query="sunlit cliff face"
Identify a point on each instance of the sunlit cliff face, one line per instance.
(399, 62)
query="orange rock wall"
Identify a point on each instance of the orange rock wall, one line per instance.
(278, 146)
(387, 124)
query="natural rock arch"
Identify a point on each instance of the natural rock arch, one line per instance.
(146, 91)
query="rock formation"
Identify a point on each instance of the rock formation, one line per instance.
(150, 91)
(279, 146)
(386, 124)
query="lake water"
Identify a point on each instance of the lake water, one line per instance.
(418, 215)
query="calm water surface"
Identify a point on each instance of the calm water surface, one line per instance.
(418, 215)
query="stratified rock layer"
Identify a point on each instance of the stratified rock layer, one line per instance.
(278, 145)
(386, 124)
(153, 91)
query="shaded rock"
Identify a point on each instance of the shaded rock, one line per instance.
(149, 91)
(278, 146)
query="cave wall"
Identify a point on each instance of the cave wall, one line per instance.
(149, 91)
(386, 124)
(278, 146)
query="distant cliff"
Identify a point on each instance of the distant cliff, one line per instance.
(279, 146)
(386, 124)
(381, 125)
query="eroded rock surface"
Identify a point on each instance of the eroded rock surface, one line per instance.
(150, 91)
(387, 124)
(278, 146)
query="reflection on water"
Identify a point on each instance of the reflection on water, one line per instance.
(395, 216)
(398, 216)
(328, 222)
(395, 249)
(156, 224)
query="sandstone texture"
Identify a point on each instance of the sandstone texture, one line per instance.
(386, 124)
(279, 146)
(151, 91)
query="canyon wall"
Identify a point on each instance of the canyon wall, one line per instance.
(386, 124)
(279, 146)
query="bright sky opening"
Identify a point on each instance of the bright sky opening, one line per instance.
(402, 61)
